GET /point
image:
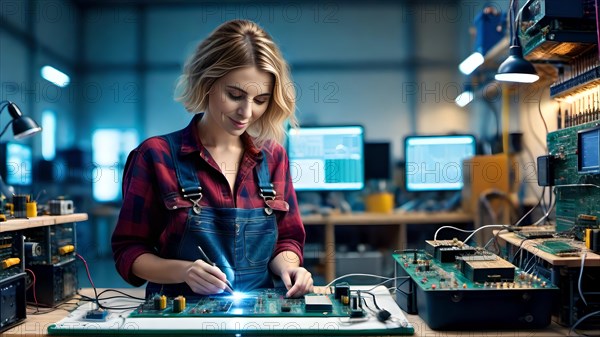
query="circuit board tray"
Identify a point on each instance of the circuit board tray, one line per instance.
(446, 299)
(261, 302)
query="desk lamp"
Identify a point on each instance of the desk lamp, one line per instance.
(515, 68)
(22, 126)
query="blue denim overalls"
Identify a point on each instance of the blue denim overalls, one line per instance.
(239, 241)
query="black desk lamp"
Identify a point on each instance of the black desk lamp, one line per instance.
(22, 126)
(515, 68)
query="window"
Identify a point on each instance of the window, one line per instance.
(48, 135)
(110, 148)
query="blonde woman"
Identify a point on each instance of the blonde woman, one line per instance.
(211, 207)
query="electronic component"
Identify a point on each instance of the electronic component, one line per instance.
(557, 30)
(486, 268)
(33, 249)
(383, 315)
(11, 254)
(261, 302)
(61, 207)
(178, 304)
(592, 239)
(341, 289)
(545, 176)
(57, 243)
(573, 167)
(160, 302)
(558, 248)
(12, 301)
(55, 283)
(355, 307)
(535, 234)
(447, 299)
(318, 303)
(97, 315)
(447, 250)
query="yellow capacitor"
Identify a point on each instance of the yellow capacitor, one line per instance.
(588, 238)
(10, 262)
(66, 249)
(178, 304)
(163, 302)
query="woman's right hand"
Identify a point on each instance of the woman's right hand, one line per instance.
(205, 279)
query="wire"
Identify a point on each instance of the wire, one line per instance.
(386, 281)
(545, 216)
(580, 277)
(33, 285)
(352, 275)
(451, 227)
(124, 294)
(518, 250)
(480, 228)
(6, 128)
(582, 319)
(531, 210)
(87, 269)
(372, 295)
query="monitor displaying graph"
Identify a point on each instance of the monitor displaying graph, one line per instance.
(327, 158)
(435, 163)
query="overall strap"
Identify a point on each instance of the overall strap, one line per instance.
(186, 172)
(267, 192)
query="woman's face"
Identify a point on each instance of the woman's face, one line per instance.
(239, 98)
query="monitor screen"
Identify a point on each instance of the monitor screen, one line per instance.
(327, 158)
(435, 163)
(378, 161)
(17, 164)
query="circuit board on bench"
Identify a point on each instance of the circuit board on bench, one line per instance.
(453, 286)
(262, 302)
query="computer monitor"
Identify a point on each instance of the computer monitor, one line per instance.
(16, 163)
(327, 158)
(378, 161)
(435, 163)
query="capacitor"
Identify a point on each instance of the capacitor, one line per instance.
(160, 302)
(178, 304)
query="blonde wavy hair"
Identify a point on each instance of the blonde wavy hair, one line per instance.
(238, 44)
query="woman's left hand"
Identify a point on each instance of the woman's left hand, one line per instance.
(297, 280)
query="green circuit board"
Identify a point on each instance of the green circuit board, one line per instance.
(576, 206)
(262, 303)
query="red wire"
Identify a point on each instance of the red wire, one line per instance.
(87, 269)
(33, 285)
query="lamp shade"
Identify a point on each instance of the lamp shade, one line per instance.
(24, 127)
(515, 68)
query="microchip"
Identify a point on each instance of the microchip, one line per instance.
(318, 303)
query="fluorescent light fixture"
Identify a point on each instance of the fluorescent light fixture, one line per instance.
(55, 76)
(464, 98)
(471, 63)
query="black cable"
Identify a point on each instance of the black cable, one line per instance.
(372, 295)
